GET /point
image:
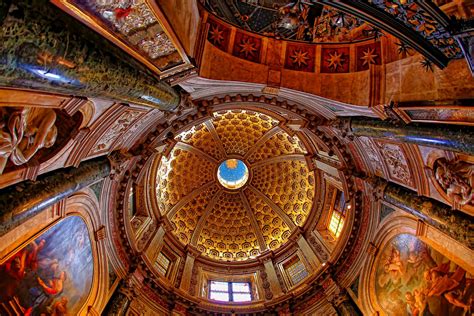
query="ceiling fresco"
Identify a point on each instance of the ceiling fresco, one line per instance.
(292, 20)
(138, 27)
(235, 223)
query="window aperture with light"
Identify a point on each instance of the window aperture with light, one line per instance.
(296, 271)
(338, 214)
(162, 264)
(230, 291)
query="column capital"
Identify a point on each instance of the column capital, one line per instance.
(296, 234)
(265, 256)
(118, 163)
(192, 251)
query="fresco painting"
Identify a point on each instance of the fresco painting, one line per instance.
(413, 279)
(51, 275)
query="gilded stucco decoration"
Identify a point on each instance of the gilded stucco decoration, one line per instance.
(235, 224)
(137, 26)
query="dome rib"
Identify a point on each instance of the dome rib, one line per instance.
(277, 159)
(268, 134)
(253, 221)
(197, 151)
(203, 219)
(185, 200)
(212, 130)
(275, 207)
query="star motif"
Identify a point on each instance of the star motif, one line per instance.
(299, 58)
(369, 56)
(402, 48)
(217, 35)
(427, 64)
(247, 47)
(335, 60)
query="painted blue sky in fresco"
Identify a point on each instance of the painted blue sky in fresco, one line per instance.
(232, 175)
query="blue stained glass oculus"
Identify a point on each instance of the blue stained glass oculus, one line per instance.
(233, 173)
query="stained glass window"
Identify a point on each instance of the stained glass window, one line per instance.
(296, 270)
(338, 214)
(230, 291)
(162, 264)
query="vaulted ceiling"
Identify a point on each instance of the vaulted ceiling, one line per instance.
(236, 224)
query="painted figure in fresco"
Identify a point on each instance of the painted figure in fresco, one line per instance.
(15, 268)
(442, 282)
(457, 179)
(54, 286)
(45, 278)
(59, 308)
(413, 279)
(24, 131)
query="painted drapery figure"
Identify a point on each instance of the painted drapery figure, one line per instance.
(50, 276)
(412, 279)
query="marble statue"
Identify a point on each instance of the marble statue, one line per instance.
(457, 179)
(23, 132)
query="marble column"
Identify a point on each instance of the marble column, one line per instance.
(118, 304)
(344, 305)
(454, 223)
(442, 136)
(45, 49)
(26, 199)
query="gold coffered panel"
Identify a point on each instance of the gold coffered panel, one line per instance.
(138, 27)
(278, 145)
(290, 185)
(201, 138)
(186, 218)
(178, 176)
(235, 224)
(274, 230)
(240, 130)
(228, 233)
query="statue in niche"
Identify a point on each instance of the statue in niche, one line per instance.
(457, 179)
(23, 132)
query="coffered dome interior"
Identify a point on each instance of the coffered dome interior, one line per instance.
(235, 224)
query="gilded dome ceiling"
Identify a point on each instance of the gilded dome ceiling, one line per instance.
(238, 222)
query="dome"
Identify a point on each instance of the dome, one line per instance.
(273, 194)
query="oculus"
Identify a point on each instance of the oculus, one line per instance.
(232, 174)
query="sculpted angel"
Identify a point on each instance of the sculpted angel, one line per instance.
(24, 131)
(457, 179)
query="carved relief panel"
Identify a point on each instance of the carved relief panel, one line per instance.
(111, 136)
(396, 162)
